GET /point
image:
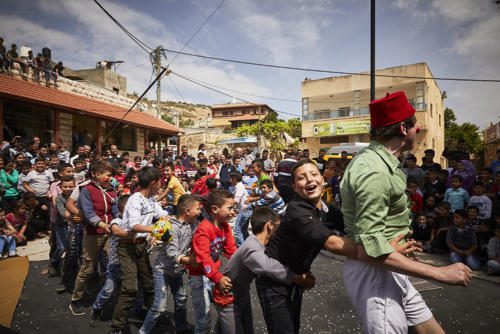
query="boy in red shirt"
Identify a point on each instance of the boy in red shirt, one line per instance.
(200, 187)
(212, 237)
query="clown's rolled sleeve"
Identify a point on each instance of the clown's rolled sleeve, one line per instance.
(375, 205)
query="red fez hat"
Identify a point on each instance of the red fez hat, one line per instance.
(389, 110)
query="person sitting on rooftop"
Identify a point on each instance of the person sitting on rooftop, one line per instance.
(13, 57)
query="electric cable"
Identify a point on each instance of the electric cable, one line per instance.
(135, 103)
(140, 43)
(197, 31)
(221, 92)
(328, 71)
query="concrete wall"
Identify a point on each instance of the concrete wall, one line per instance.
(66, 129)
(105, 78)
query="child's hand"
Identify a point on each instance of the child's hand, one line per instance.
(105, 227)
(306, 281)
(225, 284)
(152, 242)
(44, 207)
(245, 208)
(408, 248)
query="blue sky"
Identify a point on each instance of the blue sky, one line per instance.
(457, 38)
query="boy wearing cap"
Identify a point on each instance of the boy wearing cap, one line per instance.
(376, 208)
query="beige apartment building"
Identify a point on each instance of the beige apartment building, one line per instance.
(335, 110)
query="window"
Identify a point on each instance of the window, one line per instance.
(231, 113)
(224, 113)
(439, 120)
(420, 95)
(357, 96)
(305, 107)
(431, 110)
(433, 143)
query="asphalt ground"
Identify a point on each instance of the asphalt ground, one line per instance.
(326, 308)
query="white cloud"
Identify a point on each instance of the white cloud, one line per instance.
(282, 34)
(94, 37)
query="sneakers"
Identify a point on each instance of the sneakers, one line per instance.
(13, 254)
(77, 308)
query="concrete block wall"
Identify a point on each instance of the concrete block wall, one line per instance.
(66, 129)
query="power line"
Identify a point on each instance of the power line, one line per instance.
(140, 43)
(175, 86)
(198, 30)
(135, 103)
(221, 92)
(327, 71)
(270, 97)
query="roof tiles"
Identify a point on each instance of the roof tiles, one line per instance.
(18, 89)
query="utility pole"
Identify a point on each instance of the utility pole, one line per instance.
(372, 50)
(158, 90)
(258, 134)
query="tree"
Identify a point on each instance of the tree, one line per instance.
(469, 132)
(273, 132)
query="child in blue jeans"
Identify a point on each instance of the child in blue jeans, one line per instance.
(170, 266)
(462, 241)
(7, 232)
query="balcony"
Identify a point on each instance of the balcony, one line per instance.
(336, 114)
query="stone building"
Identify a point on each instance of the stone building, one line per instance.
(249, 113)
(335, 110)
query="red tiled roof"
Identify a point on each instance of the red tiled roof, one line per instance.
(245, 118)
(18, 89)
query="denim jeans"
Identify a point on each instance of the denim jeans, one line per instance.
(112, 284)
(161, 282)
(281, 313)
(241, 227)
(72, 260)
(48, 74)
(60, 245)
(470, 260)
(10, 241)
(494, 265)
(201, 294)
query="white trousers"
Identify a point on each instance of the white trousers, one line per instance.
(386, 302)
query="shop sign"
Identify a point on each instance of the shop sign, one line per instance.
(342, 128)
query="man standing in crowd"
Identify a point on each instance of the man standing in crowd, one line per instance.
(320, 161)
(428, 162)
(80, 153)
(114, 159)
(283, 177)
(185, 157)
(268, 163)
(376, 209)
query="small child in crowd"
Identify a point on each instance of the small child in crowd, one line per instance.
(170, 266)
(63, 154)
(212, 237)
(462, 241)
(7, 236)
(422, 230)
(79, 173)
(440, 228)
(456, 196)
(250, 261)
(481, 201)
(61, 224)
(17, 220)
(25, 170)
(138, 217)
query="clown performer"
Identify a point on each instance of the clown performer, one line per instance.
(376, 208)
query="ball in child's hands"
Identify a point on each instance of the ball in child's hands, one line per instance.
(162, 230)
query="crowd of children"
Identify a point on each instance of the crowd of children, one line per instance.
(455, 210)
(98, 211)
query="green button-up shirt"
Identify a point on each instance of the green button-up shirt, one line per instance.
(375, 205)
